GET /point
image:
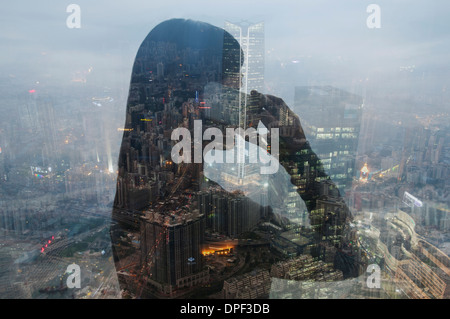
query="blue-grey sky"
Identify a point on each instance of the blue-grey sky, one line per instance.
(329, 39)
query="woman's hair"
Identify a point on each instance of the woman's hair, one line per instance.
(195, 50)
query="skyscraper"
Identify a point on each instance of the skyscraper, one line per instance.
(331, 119)
(230, 214)
(251, 38)
(171, 249)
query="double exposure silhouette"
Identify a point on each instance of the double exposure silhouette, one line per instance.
(166, 215)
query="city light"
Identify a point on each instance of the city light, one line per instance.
(361, 175)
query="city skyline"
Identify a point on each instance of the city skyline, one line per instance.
(376, 122)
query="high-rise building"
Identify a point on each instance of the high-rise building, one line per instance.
(2, 161)
(243, 215)
(253, 285)
(160, 70)
(171, 250)
(251, 75)
(251, 38)
(331, 118)
(229, 214)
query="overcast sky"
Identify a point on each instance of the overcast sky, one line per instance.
(329, 39)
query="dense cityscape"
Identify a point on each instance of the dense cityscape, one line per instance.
(369, 188)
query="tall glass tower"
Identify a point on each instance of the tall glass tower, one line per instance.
(251, 38)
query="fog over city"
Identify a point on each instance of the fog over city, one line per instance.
(403, 63)
(63, 102)
(306, 41)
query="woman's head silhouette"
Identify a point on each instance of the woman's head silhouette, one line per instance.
(185, 55)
